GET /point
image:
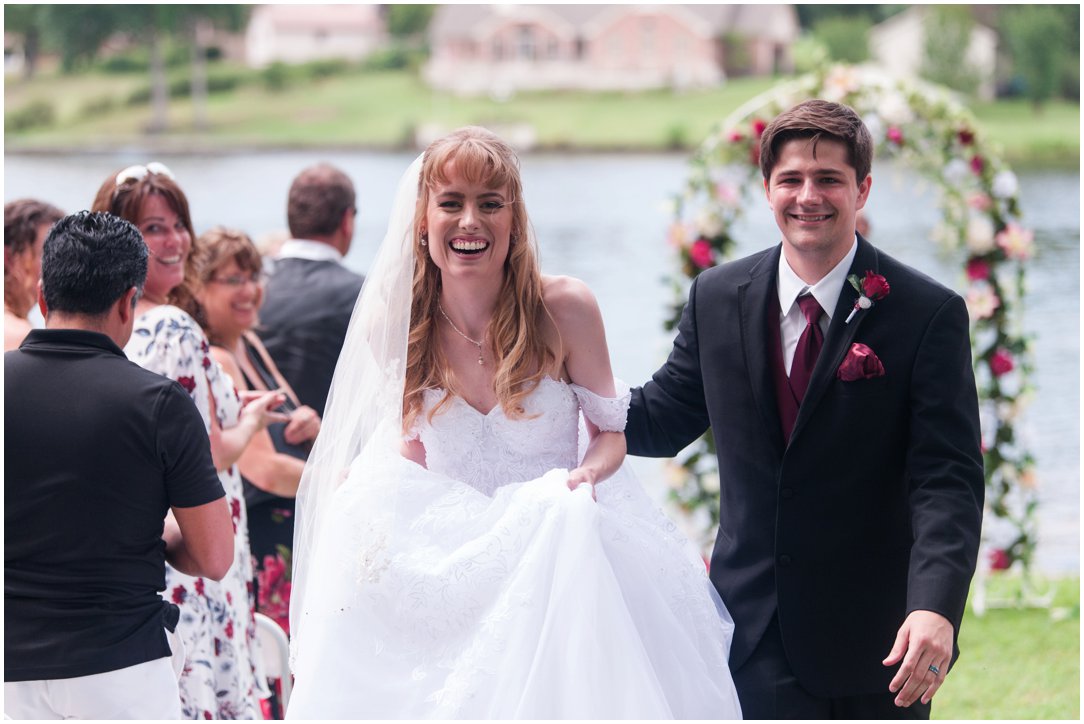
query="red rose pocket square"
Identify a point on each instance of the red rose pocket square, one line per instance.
(860, 364)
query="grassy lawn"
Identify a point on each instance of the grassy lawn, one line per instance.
(1018, 664)
(385, 108)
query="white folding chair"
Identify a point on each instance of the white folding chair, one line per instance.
(275, 654)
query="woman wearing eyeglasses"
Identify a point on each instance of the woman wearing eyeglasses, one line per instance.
(217, 622)
(228, 269)
(26, 224)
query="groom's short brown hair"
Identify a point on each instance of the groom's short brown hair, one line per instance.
(817, 119)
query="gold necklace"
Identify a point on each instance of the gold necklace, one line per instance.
(475, 342)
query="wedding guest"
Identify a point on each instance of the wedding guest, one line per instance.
(229, 274)
(88, 485)
(26, 224)
(310, 293)
(845, 420)
(217, 618)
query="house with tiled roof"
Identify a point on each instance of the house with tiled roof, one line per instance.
(301, 33)
(500, 49)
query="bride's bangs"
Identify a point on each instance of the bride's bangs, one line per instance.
(476, 161)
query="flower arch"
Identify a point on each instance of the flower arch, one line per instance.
(926, 127)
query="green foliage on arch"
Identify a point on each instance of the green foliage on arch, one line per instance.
(927, 128)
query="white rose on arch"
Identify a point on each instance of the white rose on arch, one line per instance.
(1005, 185)
(956, 171)
(980, 235)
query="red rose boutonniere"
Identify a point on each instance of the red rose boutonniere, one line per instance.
(872, 289)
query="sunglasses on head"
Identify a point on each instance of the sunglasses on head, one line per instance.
(138, 173)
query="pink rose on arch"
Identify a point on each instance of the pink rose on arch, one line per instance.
(700, 253)
(980, 201)
(1001, 362)
(860, 364)
(895, 135)
(977, 165)
(758, 127)
(1016, 241)
(735, 136)
(978, 269)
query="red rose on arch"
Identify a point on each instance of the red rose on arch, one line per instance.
(977, 165)
(1001, 362)
(700, 253)
(966, 136)
(978, 269)
(758, 127)
(999, 560)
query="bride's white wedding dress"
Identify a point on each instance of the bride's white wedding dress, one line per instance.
(484, 588)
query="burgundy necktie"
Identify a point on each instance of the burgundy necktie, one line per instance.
(809, 347)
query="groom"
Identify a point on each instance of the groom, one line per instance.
(847, 431)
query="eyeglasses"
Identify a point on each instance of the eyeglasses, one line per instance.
(138, 173)
(239, 280)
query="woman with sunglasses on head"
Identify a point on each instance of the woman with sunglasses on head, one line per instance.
(229, 276)
(217, 622)
(26, 224)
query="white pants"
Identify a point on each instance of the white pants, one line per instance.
(144, 691)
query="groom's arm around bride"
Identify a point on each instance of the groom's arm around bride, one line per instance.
(849, 445)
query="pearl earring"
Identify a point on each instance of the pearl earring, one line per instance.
(423, 239)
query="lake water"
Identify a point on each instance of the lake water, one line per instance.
(603, 218)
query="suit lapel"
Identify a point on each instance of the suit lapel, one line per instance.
(840, 335)
(754, 305)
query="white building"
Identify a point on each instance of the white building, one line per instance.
(300, 33)
(898, 44)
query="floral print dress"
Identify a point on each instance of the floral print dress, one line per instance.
(217, 621)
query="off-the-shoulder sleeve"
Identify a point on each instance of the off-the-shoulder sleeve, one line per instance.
(609, 414)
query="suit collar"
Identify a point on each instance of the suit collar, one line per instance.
(840, 334)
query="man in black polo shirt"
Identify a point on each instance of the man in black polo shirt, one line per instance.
(99, 450)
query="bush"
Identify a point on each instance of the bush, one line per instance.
(394, 58)
(225, 80)
(847, 38)
(134, 62)
(36, 114)
(325, 68)
(98, 106)
(276, 76)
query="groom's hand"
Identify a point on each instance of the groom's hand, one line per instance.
(924, 641)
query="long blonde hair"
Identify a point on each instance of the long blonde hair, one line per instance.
(522, 355)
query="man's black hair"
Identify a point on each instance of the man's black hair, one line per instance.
(89, 261)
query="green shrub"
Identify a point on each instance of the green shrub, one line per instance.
(98, 106)
(36, 114)
(846, 37)
(225, 80)
(394, 58)
(276, 76)
(326, 67)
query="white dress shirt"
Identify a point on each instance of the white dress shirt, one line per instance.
(308, 249)
(790, 286)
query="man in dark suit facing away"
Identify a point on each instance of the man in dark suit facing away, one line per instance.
(310, 294)
(846, 423)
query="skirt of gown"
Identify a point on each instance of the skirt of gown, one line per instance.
(432, 600)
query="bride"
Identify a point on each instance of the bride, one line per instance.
(469, 543)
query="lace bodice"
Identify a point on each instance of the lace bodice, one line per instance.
(491, 450)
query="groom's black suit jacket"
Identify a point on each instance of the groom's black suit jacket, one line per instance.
(303, 322)
(872, 509)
